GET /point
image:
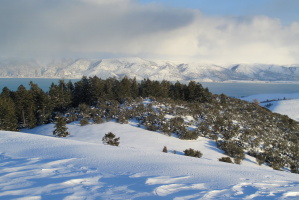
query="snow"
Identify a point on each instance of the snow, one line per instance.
(286, 104)
(155, 70)
(36, 165)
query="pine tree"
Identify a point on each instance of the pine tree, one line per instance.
(97, 89)
(25, 107)
(42, 108)
(8, 119)
(134, 88)
(60, 127)
(61, 96)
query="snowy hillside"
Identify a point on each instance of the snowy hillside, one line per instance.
(140, 68)
(39, 166)
(285, 104)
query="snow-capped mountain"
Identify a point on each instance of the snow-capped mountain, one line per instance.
(140, 68)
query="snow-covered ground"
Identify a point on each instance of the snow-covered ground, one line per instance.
(36, 165)
(286, 104)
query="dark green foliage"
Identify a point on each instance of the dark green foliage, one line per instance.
(237, 160)
(41, 104)
(61, 96)
(8, 119)
(225, 159)
(60, 127)
(187, 134)
(193, 153)
(84, 121)
(260, 158)
(232, 149)
(110, 139)
(98, 120)
(294, 168)
(25, 108)
(165, 149)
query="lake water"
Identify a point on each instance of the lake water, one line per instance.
(230, 89)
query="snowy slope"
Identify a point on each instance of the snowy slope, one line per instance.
(140, 68)
(285, 104)
(39, 166)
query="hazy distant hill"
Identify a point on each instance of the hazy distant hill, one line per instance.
(140, 68)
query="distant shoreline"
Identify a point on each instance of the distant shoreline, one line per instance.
(200, 81)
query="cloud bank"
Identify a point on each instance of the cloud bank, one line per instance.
(84, 28)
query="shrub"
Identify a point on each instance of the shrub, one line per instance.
(98, 120)
(260, 158)
(193, 153)
(122, 119)
(188, 135)
(232, 149)
(165, 149)
(237, 160)
(294, 168)
(84, 121)
(225, 159)
(151, 127)
(110, 139)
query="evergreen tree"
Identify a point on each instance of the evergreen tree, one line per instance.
(61, 95)
(134, 88)
(25, 107)
(8, 119)
(41, 101)
(97, 89)
(60, 127)
(124, 89)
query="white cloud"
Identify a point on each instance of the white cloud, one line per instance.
(41, 28)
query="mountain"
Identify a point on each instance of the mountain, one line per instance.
(140, 68)
(36, 165)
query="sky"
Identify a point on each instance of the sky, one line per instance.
(205, 31)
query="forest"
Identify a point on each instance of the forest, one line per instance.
(238, 127)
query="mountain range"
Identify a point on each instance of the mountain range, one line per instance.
(141, 68)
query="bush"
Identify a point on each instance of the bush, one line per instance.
(260, 158)
(225, 159)
(193, 153)
(165, 149)
(84, 121)
(98, 120)
(237, 161)
(110, 139)
(151, 127)
(122, 120)
(232, 149)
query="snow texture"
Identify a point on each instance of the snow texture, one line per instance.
(36, 165)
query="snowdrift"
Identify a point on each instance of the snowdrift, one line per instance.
(36, 165)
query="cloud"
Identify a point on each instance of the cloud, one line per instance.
(43, 29)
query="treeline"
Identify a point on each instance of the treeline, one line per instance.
(237, 126)
(29, 108)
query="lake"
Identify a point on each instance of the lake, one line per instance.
(230, 89)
